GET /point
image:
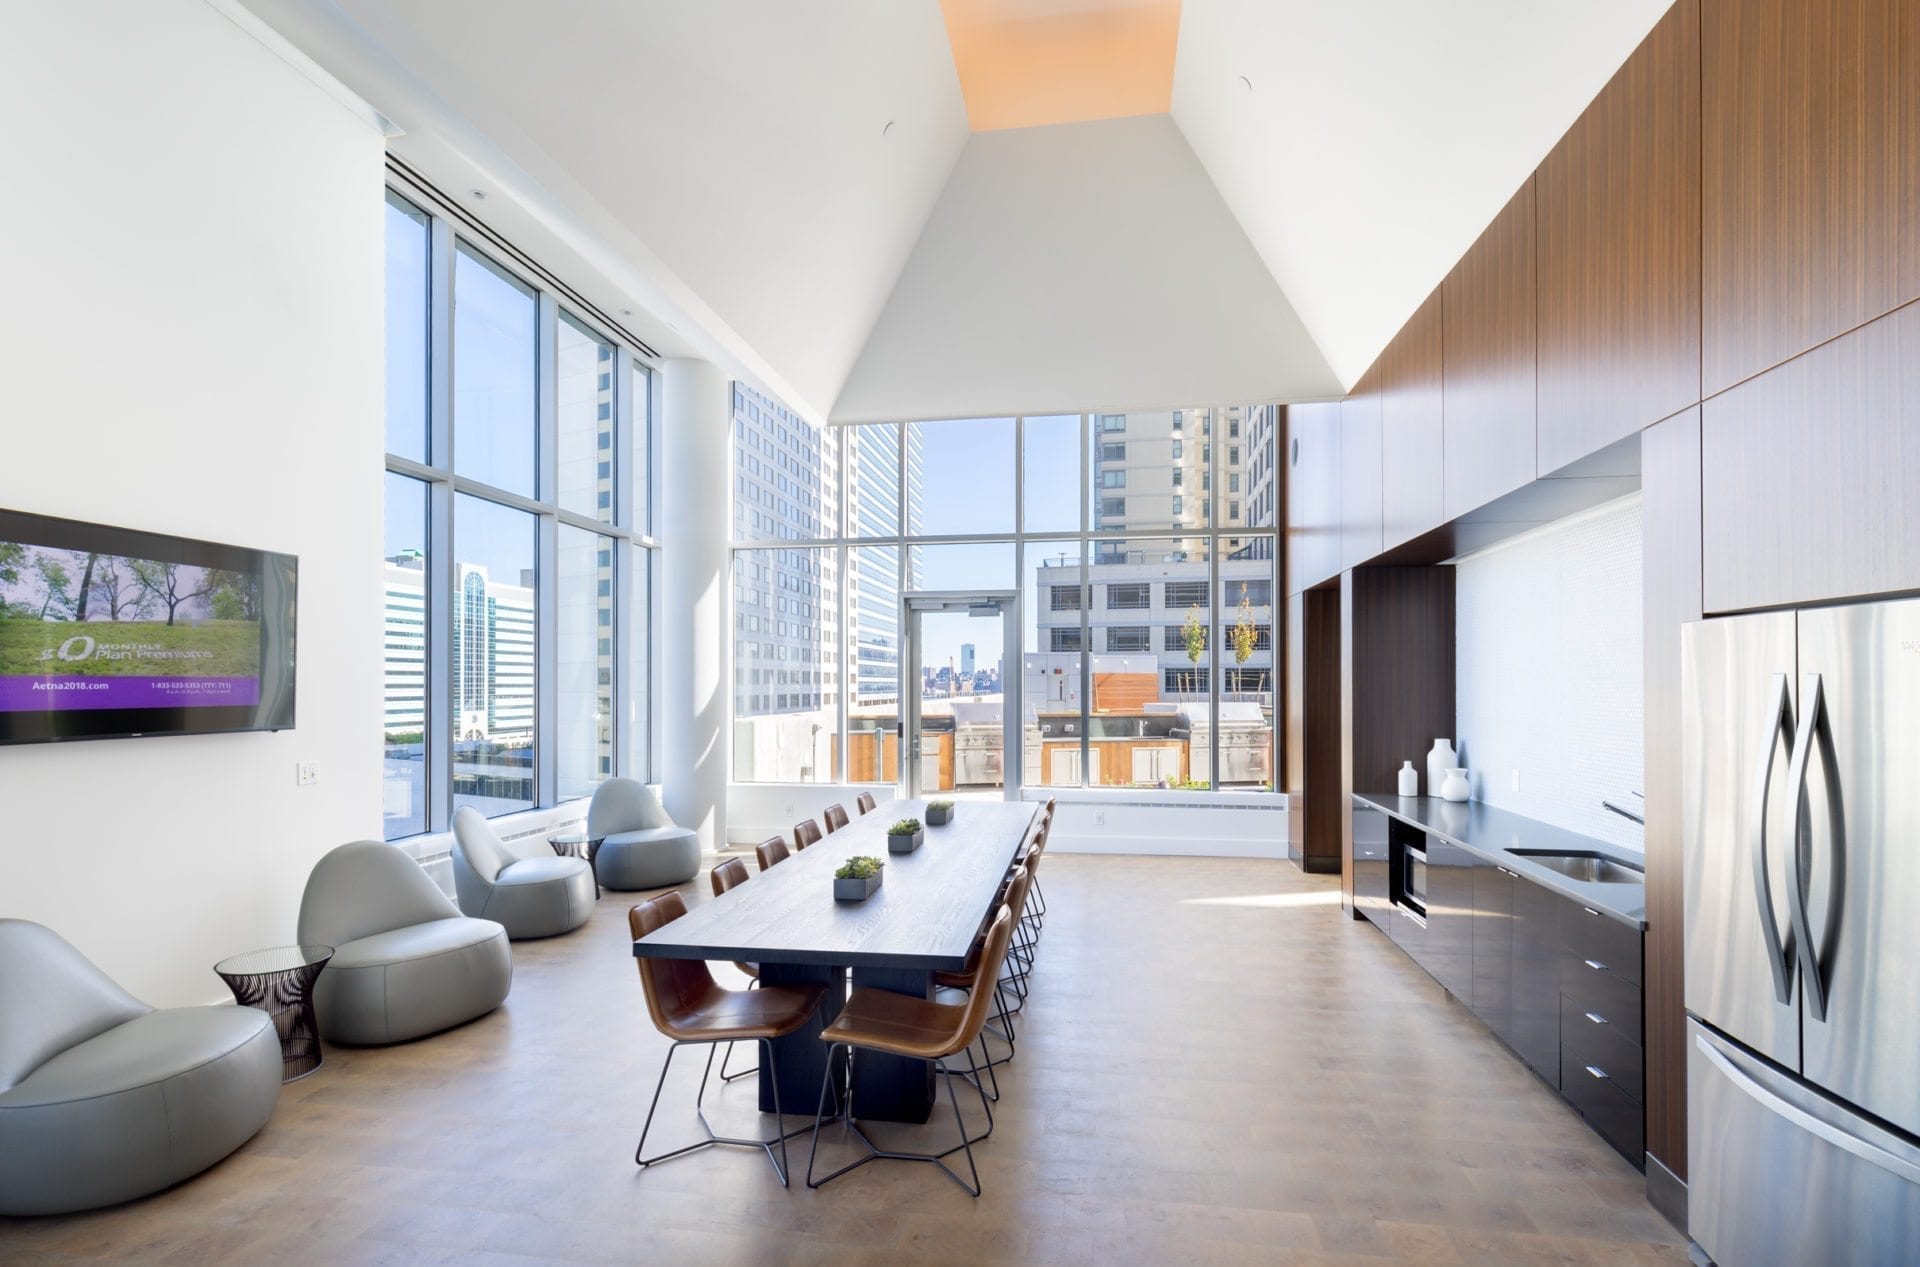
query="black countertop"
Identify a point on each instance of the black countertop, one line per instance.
(1493, 834)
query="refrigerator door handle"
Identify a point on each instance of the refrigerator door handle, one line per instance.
(1780, 951)
(1815, 728)
(1791, 1112)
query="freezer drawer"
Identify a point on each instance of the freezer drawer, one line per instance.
(1779, 1174)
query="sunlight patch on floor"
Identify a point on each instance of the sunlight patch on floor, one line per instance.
(1324, 897)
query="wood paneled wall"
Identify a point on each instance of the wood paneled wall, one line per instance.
(1733, 223)
(1619, 252)
(1412, 464)
(1487, 362)
(1360, 456)
(1811, 174)
(1321, 849)
(1812, 474)
(1403, 650)
(1670, 514)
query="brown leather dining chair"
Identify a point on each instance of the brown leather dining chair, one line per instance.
(865, 803)
(1001, 1027)
(690, 1008)
(769, 851)
(836, 818)
(919, 1029)
(731, 874)
(806, 832)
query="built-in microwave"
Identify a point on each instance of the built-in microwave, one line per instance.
(1413, 879)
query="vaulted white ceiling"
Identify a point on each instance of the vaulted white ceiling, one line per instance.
(1373, 140)
(726, 169)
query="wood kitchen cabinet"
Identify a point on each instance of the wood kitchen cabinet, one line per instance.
(1488, 362)
(1360, 474)
(1810, 471)
(1619, 252)
(1312, 459)
(1412, 469)
(1810, 162)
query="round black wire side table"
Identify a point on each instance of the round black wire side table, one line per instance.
(279, 981)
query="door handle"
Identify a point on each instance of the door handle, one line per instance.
(1780, 1106)
(1815, 728)
(1780, 950)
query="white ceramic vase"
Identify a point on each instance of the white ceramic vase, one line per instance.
(1409, 779)
(1456, 787)
(1440, 759)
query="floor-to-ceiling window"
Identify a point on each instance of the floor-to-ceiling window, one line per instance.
(518, 549)
(1142, 547)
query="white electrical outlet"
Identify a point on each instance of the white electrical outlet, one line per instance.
(788, 811)
(1100, 818)
(1516, 780)
(306, 773)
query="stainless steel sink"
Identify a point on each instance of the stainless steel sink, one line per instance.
(1591, 867)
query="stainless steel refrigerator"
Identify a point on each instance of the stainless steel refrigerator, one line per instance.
(1802, 773)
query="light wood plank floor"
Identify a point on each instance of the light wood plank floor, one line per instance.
(1216, 1065)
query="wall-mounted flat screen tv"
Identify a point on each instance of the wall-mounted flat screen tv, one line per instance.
(110, 633)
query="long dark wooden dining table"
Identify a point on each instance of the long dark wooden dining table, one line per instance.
(931, 905)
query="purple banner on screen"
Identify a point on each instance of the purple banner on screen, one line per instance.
(58, 694)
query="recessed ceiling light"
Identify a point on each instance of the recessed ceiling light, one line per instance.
(626, 312)
(478, 195)
(888, 129)
(1246, 85)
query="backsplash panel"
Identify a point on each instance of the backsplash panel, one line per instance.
(1548, 665)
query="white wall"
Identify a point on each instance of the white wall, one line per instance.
(191, 344)
(1548, 671)
(1081, 266)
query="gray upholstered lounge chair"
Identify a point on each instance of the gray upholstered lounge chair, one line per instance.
(641, 848)
(522, 885)
(102, 1098)
(406, 962)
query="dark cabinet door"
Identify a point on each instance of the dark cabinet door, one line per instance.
(1450, 916)
(1809, 474)
(1492, 999)
(1487, 362)
(1370, 864)
(1313, 494)
(1535, 1029)
(1619, 255)
(1810, 162)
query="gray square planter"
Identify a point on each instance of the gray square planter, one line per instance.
(906, 844)
(851, 890)
(939, 817)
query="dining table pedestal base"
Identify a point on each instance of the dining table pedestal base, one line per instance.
(888, 1088)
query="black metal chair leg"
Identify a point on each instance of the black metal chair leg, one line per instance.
(781, 1136)
(657, 1087)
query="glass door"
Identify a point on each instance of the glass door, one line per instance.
(961, 696)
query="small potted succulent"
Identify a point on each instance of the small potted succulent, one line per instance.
(905, 836)
(939, 813)
(857, 879)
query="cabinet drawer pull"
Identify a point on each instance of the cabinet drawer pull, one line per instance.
(1596, 965)
(1598, 1072)
(1503, 871)
(1596, 1018)
(1589, 910)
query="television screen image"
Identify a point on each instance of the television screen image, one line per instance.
(106, 632)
